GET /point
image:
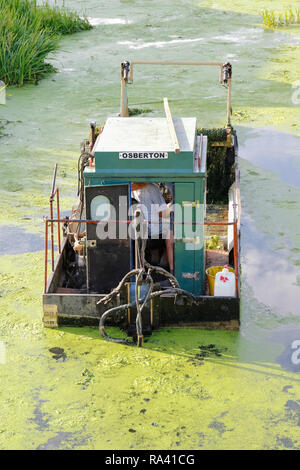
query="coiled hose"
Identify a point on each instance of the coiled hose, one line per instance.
(142, 274)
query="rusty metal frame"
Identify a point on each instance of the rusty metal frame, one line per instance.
(124, 80)
(85, 221)
(54, 192)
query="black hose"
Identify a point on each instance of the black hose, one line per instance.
(83, 161)
(140, 303)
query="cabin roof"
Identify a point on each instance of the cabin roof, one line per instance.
(142, 134)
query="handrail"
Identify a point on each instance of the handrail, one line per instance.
(66, 220)
(163, 62)
(98, 221)
(127, 76)
(54, 192)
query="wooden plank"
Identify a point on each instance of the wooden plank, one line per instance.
(171, 126)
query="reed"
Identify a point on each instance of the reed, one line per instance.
(286, 17)
(28, 34)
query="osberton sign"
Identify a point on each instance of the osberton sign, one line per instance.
(143, 155)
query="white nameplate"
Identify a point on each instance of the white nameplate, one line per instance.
(143, 155)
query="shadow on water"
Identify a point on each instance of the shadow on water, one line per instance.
(198, 347)
(63, 440)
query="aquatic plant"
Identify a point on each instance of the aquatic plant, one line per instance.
(137, 111)
(213, 242)
(28, 34)
(219, 170)
(273, 19)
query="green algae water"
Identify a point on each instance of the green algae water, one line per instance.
(187, 388)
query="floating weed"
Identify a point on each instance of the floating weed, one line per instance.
(117, 361)
(182, 385)
(206, 351)
(59, 353)
(241, 115)
(87, 378)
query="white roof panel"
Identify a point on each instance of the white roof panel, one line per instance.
(138, 134)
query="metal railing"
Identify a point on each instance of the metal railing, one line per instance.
(54, 192)
(225, 77)
(59, 221)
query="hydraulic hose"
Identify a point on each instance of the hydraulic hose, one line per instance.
(140, 303)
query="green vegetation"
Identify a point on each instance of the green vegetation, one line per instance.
(137, 111)
(220, 159)
(273, 19)
(213, 243)
(214, 134)
(28, 33)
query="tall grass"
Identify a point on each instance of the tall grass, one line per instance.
(28, 33)
(286, 17)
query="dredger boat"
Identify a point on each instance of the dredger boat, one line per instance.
(105, 271)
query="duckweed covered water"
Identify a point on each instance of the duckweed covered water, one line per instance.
(186, 389)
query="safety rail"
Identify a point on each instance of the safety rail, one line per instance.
(54, 192)
(59, 221)
(225, 78)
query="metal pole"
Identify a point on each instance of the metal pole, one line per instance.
(236, 256)
(53, 181)
(229, 103)
(124, 102)
(46, 254)
(52, 236)
(51, 213)
(141, 62)
(58, 223)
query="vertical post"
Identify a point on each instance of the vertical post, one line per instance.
(226, 78)
(236, 256)
(46, 254)
(92, 143)
(58, 223)
(51, 214)
(229, 102)
(124, 79)
(171, 126)
(52, 236)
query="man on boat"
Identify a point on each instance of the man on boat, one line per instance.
(154, 208)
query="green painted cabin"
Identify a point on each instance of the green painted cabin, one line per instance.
(141, 149)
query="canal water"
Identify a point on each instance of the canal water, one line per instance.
(187, 389)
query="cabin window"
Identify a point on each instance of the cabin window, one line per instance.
(100, 208)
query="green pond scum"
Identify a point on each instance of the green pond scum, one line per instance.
(188, 388)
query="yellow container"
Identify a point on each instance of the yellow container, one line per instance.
(211, 274)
